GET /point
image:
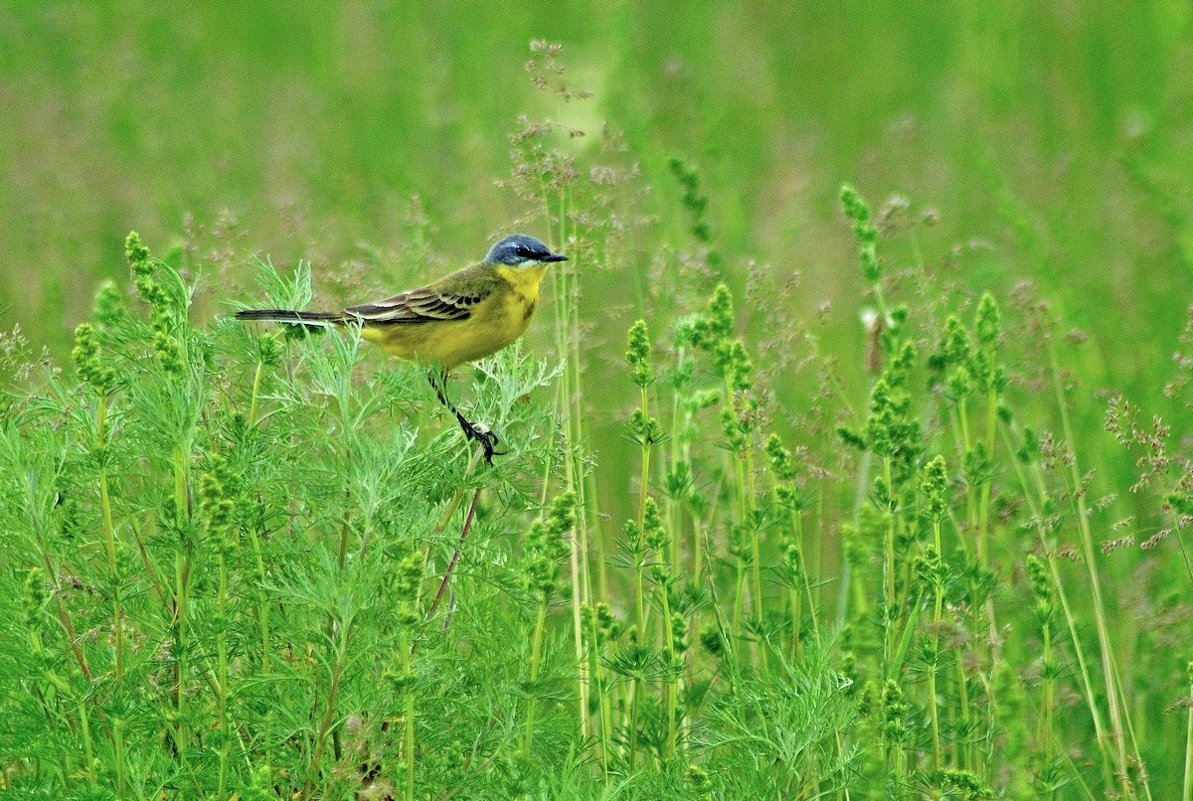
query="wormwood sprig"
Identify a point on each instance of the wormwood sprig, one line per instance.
(217, 491)
(660, 541)
(164, 301)
(600, 629)
(406, 587)
(990, 377)
(1045, 610)
(892, 432)
(643, 428)
(934, 488)
(696, 202)
(101, 378)
(896, 734)
(712, 333)
(789, 506)
(547, 547)
(857, 211)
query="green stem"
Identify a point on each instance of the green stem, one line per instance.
(755, 550)
(671, 694)
(1187, 791)
(1048, 549)
(984, 531)
(325, 724)
(582, 481)
(888, 582)
(937, 616)
(536, 654)
(798, 533)
(88, 746)
(256, 393)
(407, 658)
(793, 597)
(180, 645)
(643, 494)
(105, 500)
(1095, 585)
(604, 704)
(181, 601)
(1046, 734)
(963, 694)
(635, 703)
(118, 757)
(262, 602)
(221, 646)
(579, 579)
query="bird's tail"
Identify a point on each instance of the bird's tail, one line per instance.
(307, 319)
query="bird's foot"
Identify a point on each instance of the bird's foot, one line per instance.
(483, 435)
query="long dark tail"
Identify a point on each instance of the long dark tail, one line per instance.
(307, 319)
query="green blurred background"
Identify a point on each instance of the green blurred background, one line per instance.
(1053, 141)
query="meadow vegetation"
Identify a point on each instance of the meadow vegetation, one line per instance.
(918, 548)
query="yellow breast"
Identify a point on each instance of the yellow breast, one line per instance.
(496, 321)
(514, 306)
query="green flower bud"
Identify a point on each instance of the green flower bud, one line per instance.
(638, 355)
(987, 322)
(108, 309)
(88, 363)
(935, 488)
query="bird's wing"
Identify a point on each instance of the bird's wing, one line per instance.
(452, 298)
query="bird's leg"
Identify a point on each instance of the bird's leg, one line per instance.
(477, 431)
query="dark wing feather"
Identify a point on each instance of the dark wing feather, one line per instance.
(422, 305)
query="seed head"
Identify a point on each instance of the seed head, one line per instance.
(935, 487)
(638, 355)
(89, 364)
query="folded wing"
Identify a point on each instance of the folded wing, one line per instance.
(420, 306)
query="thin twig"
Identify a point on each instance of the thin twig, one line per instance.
(451, 566)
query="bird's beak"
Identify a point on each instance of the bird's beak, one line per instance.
(554, 257)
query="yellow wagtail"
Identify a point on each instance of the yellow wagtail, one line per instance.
(465, 316)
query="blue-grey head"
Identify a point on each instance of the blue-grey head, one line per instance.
(520, 250)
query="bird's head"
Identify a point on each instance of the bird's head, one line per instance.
(520, 250)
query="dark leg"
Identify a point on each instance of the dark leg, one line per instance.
(477, 431)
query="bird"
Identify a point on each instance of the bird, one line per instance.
(467, 315)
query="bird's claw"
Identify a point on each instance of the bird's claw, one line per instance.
(483, 435)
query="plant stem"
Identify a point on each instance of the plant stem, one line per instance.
(1095, 583)
(1045, 734)
(1187, 791)
(536, 654)
(105, 500)
(937, 616)
(451, 566)
(325, 724)
(1048, 548)
(88, 747)
(118, 757)
(755, 549)
(888, 582)
(256, 393)
(225, 732)
(407, 656)
(671, 693)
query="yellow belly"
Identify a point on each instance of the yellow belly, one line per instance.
(496, 322)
